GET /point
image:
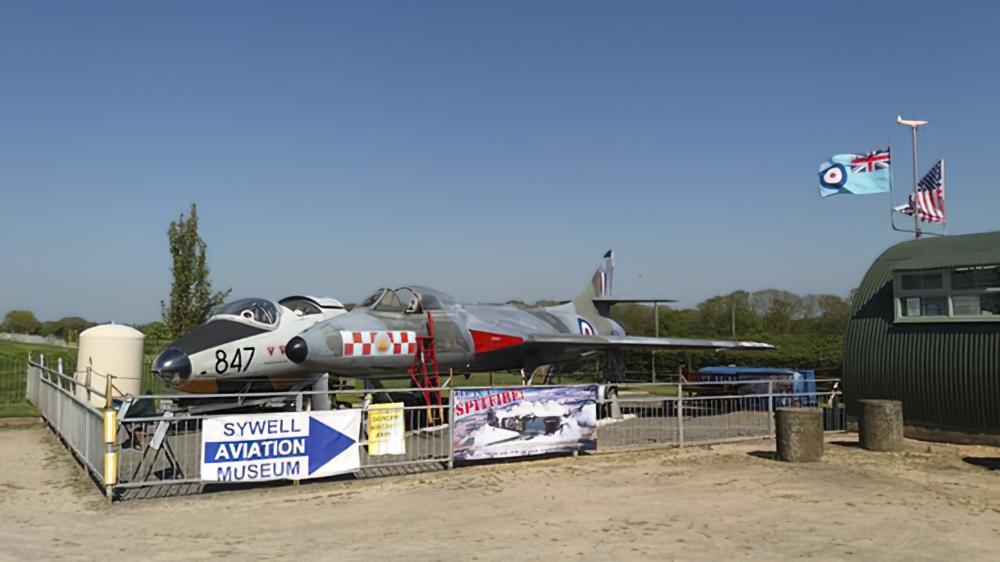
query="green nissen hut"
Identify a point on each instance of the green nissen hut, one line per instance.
(925, 329)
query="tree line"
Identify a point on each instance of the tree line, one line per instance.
(807, 330)
(743, 314)
(25, 322)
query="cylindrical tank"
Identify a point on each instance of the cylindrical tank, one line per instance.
(109, 349)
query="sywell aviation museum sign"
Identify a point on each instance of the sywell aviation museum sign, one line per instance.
(288, 445)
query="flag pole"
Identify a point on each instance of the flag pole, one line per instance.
(913, 124)
(944, 197)
(916, 214)
(892, 193)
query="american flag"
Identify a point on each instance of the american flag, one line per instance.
(930, 196)
(874, 160)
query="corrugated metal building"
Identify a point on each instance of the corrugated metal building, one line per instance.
(925, 329)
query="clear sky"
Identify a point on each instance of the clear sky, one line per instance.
(492, 150)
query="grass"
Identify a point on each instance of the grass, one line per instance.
(21, 410)
(11, 350)
(13, 365)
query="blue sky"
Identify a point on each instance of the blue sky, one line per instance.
(493, 150)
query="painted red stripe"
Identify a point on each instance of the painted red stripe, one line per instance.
(488, 341)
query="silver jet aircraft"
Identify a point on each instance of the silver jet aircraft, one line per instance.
(378, 339)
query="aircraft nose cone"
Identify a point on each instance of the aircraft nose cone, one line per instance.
(296, 350)
(173, 366)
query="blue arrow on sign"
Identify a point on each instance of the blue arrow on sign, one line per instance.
(324, 443)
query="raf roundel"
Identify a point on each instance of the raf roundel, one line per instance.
(833, 177)
(585, 327)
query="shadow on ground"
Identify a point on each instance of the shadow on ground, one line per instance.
(989, 463)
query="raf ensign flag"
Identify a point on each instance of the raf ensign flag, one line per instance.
(856, 174)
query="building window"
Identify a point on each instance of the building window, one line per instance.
(923, 281)
(959, 294)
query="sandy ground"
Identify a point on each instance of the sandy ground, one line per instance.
(699, 503)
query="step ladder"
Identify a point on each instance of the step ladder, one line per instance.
(424, 372)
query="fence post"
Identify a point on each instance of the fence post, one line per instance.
(451, 427)
(59, 365)
(770, 408)
(110, 438)
(680, 413)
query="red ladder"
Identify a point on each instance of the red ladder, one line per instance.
(425, 364)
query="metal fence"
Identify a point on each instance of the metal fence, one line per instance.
(12, 381)
(78, 424)
(163, 450)
(675, 414)
(159, 446)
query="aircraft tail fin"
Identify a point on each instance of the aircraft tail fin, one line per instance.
(595, 303)
(604, 276)
(599, 288)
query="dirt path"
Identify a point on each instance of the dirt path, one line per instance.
(700, 503)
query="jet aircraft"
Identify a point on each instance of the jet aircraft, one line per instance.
(241, 347)
(378, 339)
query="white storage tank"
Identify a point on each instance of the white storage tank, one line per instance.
(109, 349)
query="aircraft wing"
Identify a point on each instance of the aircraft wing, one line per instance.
(578, 342)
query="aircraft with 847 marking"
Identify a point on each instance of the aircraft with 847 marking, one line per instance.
(241, 347)
(378, 339)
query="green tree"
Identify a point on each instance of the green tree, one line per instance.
(834, 312)
(21, 322)
(778, 309)
(728, 315)
(68, 328)
(157, 336)
(191, 296)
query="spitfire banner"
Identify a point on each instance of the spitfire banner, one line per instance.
(292, 446)
(515, 422)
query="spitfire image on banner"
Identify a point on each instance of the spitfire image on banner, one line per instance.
(291, 445)
(517, 422)
(856, 174)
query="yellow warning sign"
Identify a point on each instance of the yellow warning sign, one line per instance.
(386, 430)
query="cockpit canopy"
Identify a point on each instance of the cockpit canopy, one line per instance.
(409, 300)
(304, 305)
(259, 312)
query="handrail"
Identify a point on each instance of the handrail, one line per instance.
(86, 404)
(362, 392)
(66, 378)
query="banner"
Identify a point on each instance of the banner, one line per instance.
(386, 430)
(515, 422)
(287, 445)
